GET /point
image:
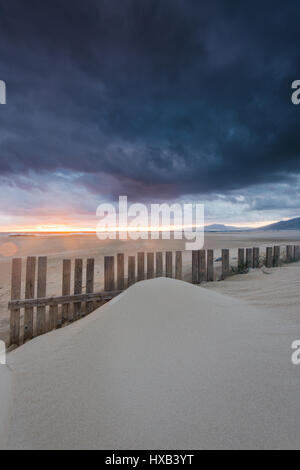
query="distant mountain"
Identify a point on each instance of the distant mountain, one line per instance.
(224, 228)
(292, 224)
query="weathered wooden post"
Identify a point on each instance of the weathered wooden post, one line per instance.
(195, 267)
(276, 256)
(225, 263)
(150, 265)
(269, 257)
(159, 264)
(241, 259)
(202, 266)
(141, 266)
(249, 258)
(77, 287)
(66, 288)
(41, 292)
(256, 257)
(90, 275)
(210, 265)
(29, 294)
(109, 273)
(131, 270)
(297, 252)
(120, 271)
(169, 264)
(178, 268)
(289, 253)
(16, 278)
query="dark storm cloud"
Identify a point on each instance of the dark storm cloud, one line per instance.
(164, 97)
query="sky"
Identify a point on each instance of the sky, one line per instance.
(160, 100)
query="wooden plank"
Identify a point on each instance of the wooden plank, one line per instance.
(276, 256)
(249, 258)
(109, 273)
(141, 266)
(289, 253)
(210, 265)
(78, 272)
(256, 257)
(53, 317)
(269, 257)
(63, 300)
(169, 264)
(16, 278)
(202, 266)
(90, 279)
(66, 289)
(178, 265)
(131, 270)
(150, 265)
(159, 264)
(225, 263)
(120, 271)
(241, 259)
(29, 294)
(195, 267)
(41, 292)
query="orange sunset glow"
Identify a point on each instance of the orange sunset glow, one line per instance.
(61, 228)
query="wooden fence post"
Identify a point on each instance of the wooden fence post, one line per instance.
(131, 270)
(169, 264)
(269, 257)
(141, 267)
(41, 292)
(66, 289)
(210, 265)
(77, 287)
(195, 267)
(241, 259)
(289, 253)
(249, 258)
(16, 278)
(150, 265)
(296, 252)
(159, 264)
(121, 271)
(53, 317)
(225, 263)
(255, 257)
(90, 278)
(178, 268)
(276, 256)
(109, 273)
(202, 266)
(29, 294)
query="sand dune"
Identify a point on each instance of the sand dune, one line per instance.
(84, 246)
(166, 365)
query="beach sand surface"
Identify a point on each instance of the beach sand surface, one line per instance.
(166, 365)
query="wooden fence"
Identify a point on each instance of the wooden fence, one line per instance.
(43, 314)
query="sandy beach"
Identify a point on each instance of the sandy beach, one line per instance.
(166, 365)
(57, 248)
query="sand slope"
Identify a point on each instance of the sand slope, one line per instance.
(166, 365)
